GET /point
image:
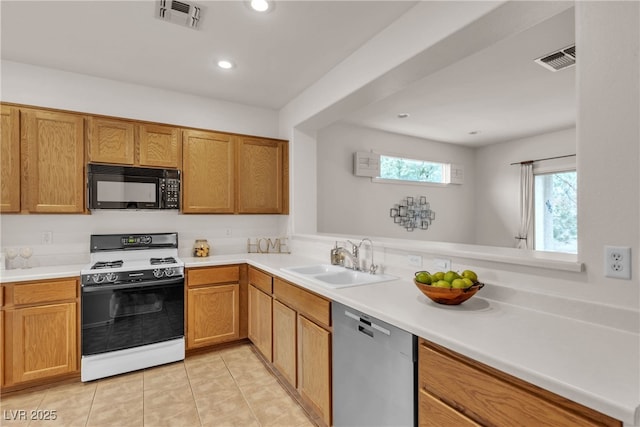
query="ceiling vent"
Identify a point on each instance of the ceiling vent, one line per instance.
(179, 12)
(556, 61)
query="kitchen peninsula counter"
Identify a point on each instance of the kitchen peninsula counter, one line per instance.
(594, 365)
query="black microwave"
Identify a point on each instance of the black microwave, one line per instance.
(125, 187)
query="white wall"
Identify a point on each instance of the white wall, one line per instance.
(27, 84)
(46, 87)
(348, 204)
(608, 87)
(497, 208)
(608, 152)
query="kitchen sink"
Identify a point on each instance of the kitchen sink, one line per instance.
(334, 276)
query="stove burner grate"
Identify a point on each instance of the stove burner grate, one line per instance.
(107, 264)
(167, 260)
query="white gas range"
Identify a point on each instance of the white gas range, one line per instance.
(132, 304)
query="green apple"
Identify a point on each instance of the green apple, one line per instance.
(468, 282)
(471, 275)
(441, 284)
(438, 275)
(423, 277)
(458, 284)
(450, 276)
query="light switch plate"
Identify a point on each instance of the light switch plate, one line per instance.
(442, 264)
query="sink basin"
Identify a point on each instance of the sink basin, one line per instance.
(334, 276)
(314, 269)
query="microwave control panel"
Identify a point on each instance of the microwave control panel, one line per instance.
(172, 193)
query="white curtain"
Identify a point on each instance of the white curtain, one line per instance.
(524, 240)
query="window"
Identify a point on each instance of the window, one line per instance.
(556, 212)
(412, 170)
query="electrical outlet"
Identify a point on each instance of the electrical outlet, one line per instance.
(617, 262)
(47, 237)
(442, 264)
(414, 260)
(227, 231)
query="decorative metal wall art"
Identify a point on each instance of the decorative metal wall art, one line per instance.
(412, 213)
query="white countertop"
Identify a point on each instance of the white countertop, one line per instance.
(594, 365)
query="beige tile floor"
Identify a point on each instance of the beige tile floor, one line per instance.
(228, 387)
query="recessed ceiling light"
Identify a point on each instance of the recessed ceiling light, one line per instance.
(403, 115)
(260, 5)
(225, 64)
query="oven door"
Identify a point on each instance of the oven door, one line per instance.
(121, 316)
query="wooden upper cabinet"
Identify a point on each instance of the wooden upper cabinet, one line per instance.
(110, 141)
(53, 161)
(10, 160)
(208, 172)
(261, 175)
(159, 146)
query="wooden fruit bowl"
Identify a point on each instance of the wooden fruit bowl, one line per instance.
(448, 296)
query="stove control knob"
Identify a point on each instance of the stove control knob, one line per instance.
(158, 273)
(111, 277)
(98, 278)
(169, 272)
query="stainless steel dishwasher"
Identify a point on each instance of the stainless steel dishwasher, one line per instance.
(374, 371)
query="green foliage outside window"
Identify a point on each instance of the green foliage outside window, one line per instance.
(410, 170)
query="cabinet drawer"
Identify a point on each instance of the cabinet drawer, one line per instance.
(207, 276)
(41, 292)
(303, 301)
(435, 413)
(494, 398)
(261, 280)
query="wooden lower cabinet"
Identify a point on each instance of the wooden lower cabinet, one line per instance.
(458, 391)
(314, 366)
(213, 305)
(435, 413)
(284, 341)
(213, 315)
(40, 330)
(302, 344)
(44, 341)
(260, 321)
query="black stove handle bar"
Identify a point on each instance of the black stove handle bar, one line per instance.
(134, 285)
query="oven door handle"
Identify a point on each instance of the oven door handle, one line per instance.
(135, 285)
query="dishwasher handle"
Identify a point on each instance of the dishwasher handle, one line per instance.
(368, 323)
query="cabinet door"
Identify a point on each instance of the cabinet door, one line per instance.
(434, 413)
(10, 160)
(260, 176)
(208, 170)
(43, 341)
(284, 341)
(213, 315)
(260, 321)
(110, 141)
(314, 367)
(159, 146)
(53, 161)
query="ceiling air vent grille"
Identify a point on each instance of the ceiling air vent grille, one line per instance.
(179, 12)
(556, 61)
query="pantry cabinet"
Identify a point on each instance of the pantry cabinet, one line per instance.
(52, 162)
(457, 391)
(213, 305)
(208, 183)
(40, 330)
(261, 175)
(302, 344)
(260, 311)
(125, 142)
(10, 160)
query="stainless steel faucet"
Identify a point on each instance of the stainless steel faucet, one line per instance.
(372, 267)
(339, 253)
